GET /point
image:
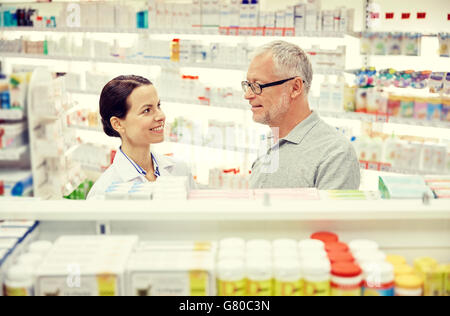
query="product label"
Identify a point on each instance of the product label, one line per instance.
(195, 283)
(107, 285)
(317, 288)
(259, 288)
(19, 291)
(199, 281)
(378, 292)
(231, 288)
(289, 288)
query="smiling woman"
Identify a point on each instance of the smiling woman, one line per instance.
(130, 108)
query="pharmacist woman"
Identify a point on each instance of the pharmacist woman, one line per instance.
(130, 109)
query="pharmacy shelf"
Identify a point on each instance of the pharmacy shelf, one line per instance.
(373, 118)
(224, 210)
(199, 146)
(163, 62)
(13, 154)
(11, 114)
(171, 32)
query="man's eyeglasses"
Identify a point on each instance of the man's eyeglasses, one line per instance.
(257, 88)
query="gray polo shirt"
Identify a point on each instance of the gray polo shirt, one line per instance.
(314, 154)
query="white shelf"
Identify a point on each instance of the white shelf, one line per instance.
(190, 31)
(150, 62)
(224, 210)
(13, 154)
(13, 114)
(383, 119)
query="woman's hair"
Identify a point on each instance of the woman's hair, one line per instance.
(113, 99)
(289, 59)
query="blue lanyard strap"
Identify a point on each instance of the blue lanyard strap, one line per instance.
(139, 169)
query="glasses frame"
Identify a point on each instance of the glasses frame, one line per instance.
(245, 85)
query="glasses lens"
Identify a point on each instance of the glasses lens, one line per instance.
(256, 88)
(245, 86)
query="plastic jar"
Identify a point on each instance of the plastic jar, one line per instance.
(362, 245)
(306, 256)
(394, 103)
(408, 285)
(325, 237)
(420, 108)
(284, 244)
(395, 260)
(316, 275)
(19, 281)
(40, 247)
(369, 256)
(259, 277)
(346, 279)
(378, 279)
(288, 278)
(233, 243)
(403, 269)
(338, 256)
(310, 245)
(231, 278)
(336, 246)
(259, 244)
(229, 253)
(30, 259)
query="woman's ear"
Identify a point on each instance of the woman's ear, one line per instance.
(297, 88)
(117, 125)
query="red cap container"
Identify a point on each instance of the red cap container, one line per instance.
(338, 256)
(326, 237)
(336, 247)
(345, 270)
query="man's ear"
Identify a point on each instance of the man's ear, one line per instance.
(117, 125)
(297, 88)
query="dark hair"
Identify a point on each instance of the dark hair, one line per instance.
(113, 99)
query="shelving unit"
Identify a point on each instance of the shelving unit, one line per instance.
(408, 228)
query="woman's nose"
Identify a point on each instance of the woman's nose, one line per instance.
(160, 116)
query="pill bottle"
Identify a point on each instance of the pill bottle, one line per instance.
(362, 245)
(338, 256)
(316, 275)
(288, 280)
(403, 269)
(378, 279)
(259, 277)
(395, 260)
(19, 281)
(408, 285)
(325, 237)
(336, 246)
(231, 278)
(40, 247)
(311, 244)
(346, 279)
(233, 242)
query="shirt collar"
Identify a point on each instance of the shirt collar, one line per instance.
(302, 129)
(165, 164)
(129, 170)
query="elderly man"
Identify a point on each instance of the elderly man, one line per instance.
(305, 152)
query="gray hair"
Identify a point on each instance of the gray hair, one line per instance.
(289, 59)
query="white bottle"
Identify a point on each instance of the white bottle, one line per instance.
(363, 245)
(259, 277)
(30, 259)
(19, 281)
(337, 97)
(288, 278)
(325, 95)
(40, 247)
(311, 245)
(231, 278)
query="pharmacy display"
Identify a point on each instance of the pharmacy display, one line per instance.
(320, 266)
